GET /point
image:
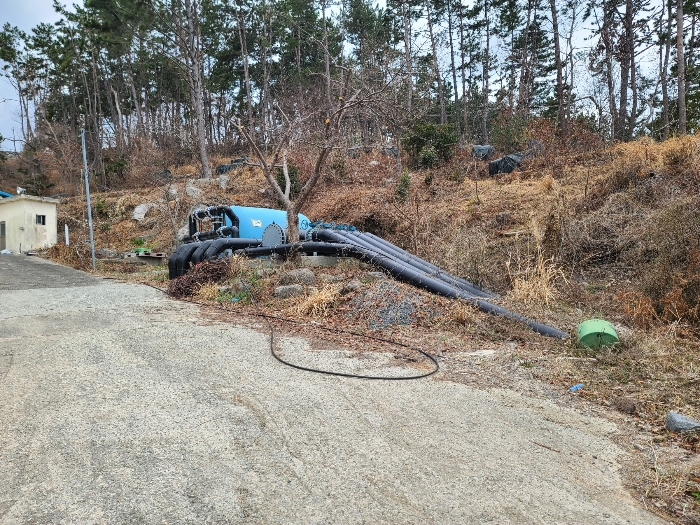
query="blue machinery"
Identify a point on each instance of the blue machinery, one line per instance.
(258, 232)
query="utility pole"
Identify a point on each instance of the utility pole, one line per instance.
(89, 205)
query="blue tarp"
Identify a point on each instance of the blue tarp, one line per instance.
(5, 195)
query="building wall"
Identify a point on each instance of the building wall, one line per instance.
(21, 228)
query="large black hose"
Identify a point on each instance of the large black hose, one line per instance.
(404, 273)
(406, 256)
(182, 261)
(220, 245)
(385, 248)
(172, 261)
(214, 234)
(215, 210)
(198, 254)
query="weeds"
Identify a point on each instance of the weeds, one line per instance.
(319, 301)
(403, 187)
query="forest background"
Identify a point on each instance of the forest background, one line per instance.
(179, 74)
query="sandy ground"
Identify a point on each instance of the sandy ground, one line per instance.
(118, 405)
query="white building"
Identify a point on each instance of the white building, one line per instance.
(27, 222)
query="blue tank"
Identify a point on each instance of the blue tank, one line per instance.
(253, 221)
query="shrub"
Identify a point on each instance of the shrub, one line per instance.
(428, 157)
(404, 185)
(439, 137)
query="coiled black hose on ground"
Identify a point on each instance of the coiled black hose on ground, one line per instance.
(435, 368)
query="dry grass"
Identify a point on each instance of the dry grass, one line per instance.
(463, 313)
(212, 272)
(76, 255)
(207, 291)
(537, 283)
(319, 302)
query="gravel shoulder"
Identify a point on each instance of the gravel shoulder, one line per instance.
(119, 405)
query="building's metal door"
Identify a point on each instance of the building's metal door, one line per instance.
(2, 235)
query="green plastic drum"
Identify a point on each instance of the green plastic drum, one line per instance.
(595, 333)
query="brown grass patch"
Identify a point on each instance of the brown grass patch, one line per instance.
(203, 274)
(320, 301)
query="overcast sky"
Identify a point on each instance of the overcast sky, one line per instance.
(24, 14)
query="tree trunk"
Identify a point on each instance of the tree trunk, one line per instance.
(635, 98)
(436, 66)
(524, 87)
(625, 63)
(326, 53)
(407, 54)
(137, 100)
(193, 53)
(664, 75)
(465, 106)
(680, 56)
(454, 70)
(246, 71)
(561, 115)
(487, 66)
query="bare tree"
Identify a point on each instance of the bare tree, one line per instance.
(327, 139)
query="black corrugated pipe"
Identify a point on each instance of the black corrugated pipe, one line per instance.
(220, 245)
(172, 266)
(215, 210)
(199, 252)
(402, 272)
(182, 261)
(205, 236)
(417, 263)
(392, 248)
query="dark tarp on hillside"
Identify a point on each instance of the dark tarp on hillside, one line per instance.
(508, 163)
(483, 152)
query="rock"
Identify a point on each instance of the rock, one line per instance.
(171, 192)
(223, 181)
(192, 191)
(201, 182)
(676, 422)
(235, 287)
(328, 278)
(503, 218)
(301, 276)
(141, 210)
(625, 404)
(375, 276)
(374, 164)
(292, 290)
(351, 286)
(183, 232)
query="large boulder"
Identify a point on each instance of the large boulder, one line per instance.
(141, 210)
(193, 191)
(300, 276)
(676, 422)
(291, 290)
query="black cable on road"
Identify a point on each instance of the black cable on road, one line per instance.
(266, 317)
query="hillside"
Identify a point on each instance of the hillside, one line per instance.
(574, 234)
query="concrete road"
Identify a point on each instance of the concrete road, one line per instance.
(118, 405)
